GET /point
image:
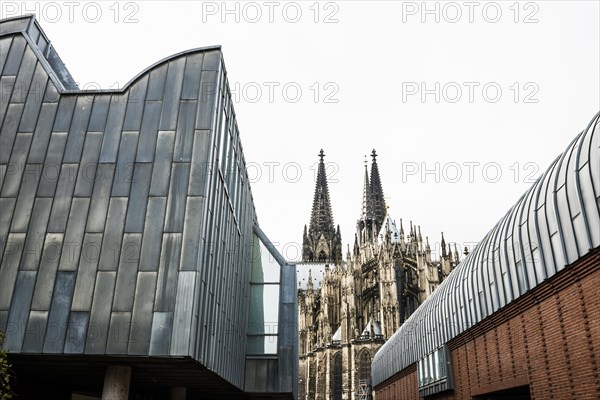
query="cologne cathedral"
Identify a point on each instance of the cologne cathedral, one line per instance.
(349, 308)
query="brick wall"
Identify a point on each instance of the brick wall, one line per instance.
(548, 339)
(402, 386)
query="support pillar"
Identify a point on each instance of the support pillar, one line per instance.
(116, 383)
(178, 393)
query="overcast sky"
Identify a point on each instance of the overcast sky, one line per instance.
(466, 103)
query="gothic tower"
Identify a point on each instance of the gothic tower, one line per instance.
(322, 241)
(374, 209)
(348, 308)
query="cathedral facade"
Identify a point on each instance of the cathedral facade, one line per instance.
(349, 308)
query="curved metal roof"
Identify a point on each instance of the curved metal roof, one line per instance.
(556, 222)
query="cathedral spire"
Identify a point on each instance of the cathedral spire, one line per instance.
(367, 208)
(378, 201)
(322, 243)
(443, 246)
(321, 218)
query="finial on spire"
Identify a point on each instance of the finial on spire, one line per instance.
(374, 154)
(321, 155)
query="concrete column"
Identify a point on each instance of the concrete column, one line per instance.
(178, 393)
(116, 383)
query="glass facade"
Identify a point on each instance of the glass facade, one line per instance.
(433, 368)
(264, 301)
(272, 351)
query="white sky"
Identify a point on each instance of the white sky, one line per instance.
(370, 58)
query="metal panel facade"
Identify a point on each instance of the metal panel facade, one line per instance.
(120, 232)
(556, 222)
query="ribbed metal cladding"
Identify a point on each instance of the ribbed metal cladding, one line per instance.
(556, 222)
(126, 216)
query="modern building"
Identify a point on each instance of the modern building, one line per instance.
(348, 308)
(519, 318)
(132, 265)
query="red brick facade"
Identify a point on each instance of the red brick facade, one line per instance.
(548, 339)
(403, 385)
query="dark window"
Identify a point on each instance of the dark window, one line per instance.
(336, 385)
(364, 375)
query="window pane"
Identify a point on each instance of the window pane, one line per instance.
(430, 368)
(264, 267)
(264, 309)
(262, 345)
(337, 381)
(442, 355)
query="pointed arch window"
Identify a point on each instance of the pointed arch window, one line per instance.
(364, 374)
(336, 382)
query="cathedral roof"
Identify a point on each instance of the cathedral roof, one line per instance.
(337, 336)
(316, 272)
(376, 328)
(394, 230)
